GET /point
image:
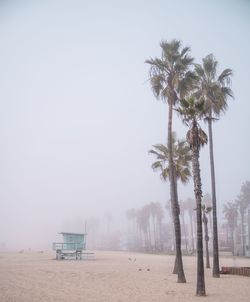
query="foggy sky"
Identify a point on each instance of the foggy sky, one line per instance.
(77, 114)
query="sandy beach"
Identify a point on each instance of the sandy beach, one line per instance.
(112, 277)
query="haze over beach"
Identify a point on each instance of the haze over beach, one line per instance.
(78, 116)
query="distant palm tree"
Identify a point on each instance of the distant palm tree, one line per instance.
(242, 206)
(183, 208)
(190, 208)
(191, 111)
(245, 195)
(131, 215)
(207, 200)
(153, 210)
(170, 79)
(205, 210)
(142, 218)
(157, 216)
(213, 91)
(231, 213)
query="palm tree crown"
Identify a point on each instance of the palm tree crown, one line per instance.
(213, 90)
(170, 76)
(181, 157)
(191, 111)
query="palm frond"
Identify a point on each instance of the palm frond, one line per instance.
(225, 76)
(210, 66)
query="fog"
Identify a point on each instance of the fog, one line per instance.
(77, 114)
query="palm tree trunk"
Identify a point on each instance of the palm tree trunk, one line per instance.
(174, 200)
(195, 230)
(216, 268)
(200, 286)
(172, 228)
(210, 223)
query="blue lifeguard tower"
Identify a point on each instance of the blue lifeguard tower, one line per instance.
(72, 246)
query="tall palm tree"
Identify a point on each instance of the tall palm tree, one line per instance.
(231, 213)
(181, 164)
(191, 111)
(170, 79)
(214, 92)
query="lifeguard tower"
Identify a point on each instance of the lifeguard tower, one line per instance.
(72, 246)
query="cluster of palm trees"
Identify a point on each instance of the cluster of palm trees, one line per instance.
(239, 211)
(145, 228)
(197, 94)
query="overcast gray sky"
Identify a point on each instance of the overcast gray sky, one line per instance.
(77, 115)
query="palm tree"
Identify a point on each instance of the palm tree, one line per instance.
(183, 208)
(153, 210)
(190, 111)
(170, 79)
(245, 193)
(181, 160)
(190, 208)
(157, 216)
(143, 218)
(168, 207)
(242, 206)
(207, 200)
(230, 212)
(214, 92)
(131, 215)
(205, 210)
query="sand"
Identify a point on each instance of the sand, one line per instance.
(112, 277)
